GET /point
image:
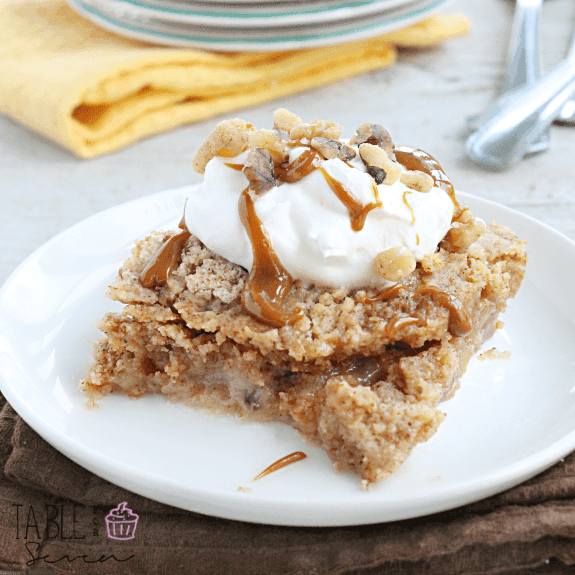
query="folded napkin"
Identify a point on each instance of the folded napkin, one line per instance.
(93, 91)
(53, 514)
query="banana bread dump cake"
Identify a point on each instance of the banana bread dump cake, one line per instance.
(335, 285)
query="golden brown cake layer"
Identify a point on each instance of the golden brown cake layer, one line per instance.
(360, 377)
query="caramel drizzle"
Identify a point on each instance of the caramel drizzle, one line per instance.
(305, 164)
(389, 293)
(393, 325)
(225, 153)
(269, 283)
(238, 167)
(297, 170)
(366, 371)
(459, 321)
(409, 207)
(283, 462)
(357, 210)
(414, 159)
(166, 259)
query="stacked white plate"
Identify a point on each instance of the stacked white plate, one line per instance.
(253, 25)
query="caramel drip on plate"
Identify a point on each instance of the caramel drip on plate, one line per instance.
(166, 259)
(410, 208)
(459, 321)
(283, 462)
(389, 293)
(269, 282)
(414, 159)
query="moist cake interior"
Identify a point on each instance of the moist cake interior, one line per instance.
(361, 374)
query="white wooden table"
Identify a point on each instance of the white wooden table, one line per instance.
(423, 101)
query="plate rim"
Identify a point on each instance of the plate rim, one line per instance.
(329, 14)
(263, 44)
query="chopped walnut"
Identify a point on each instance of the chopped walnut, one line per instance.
(394, 263)
(330, 149)
(379, 166)
(228, 138)
(316, 129)
(285, 120)
(268, 139)
(418, 181)
(461, 214)
(374, 134)
(464, 231)
(259, 170)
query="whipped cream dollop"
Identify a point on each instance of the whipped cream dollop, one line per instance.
(309, 227)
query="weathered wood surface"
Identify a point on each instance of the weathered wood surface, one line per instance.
(423, 100)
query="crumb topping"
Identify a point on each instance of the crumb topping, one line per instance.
(205, 292)
(228, 139)
(494, 353)
(232, 137)
(284, 120)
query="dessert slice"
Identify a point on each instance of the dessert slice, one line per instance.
(337, 286)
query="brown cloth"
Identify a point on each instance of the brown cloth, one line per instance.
(52, 519)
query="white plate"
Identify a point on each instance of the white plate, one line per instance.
(251, 10)
(510, 419)
(163, 28)
(278, 5)
(224, 15)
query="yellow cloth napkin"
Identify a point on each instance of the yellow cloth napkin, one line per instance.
(93, 91)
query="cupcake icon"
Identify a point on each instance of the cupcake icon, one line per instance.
(121, 522)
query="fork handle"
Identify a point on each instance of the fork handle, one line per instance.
(523, 60)
(519, 119)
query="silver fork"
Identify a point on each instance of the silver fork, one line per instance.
(526, 113)
(523, 63)
(523, 59)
